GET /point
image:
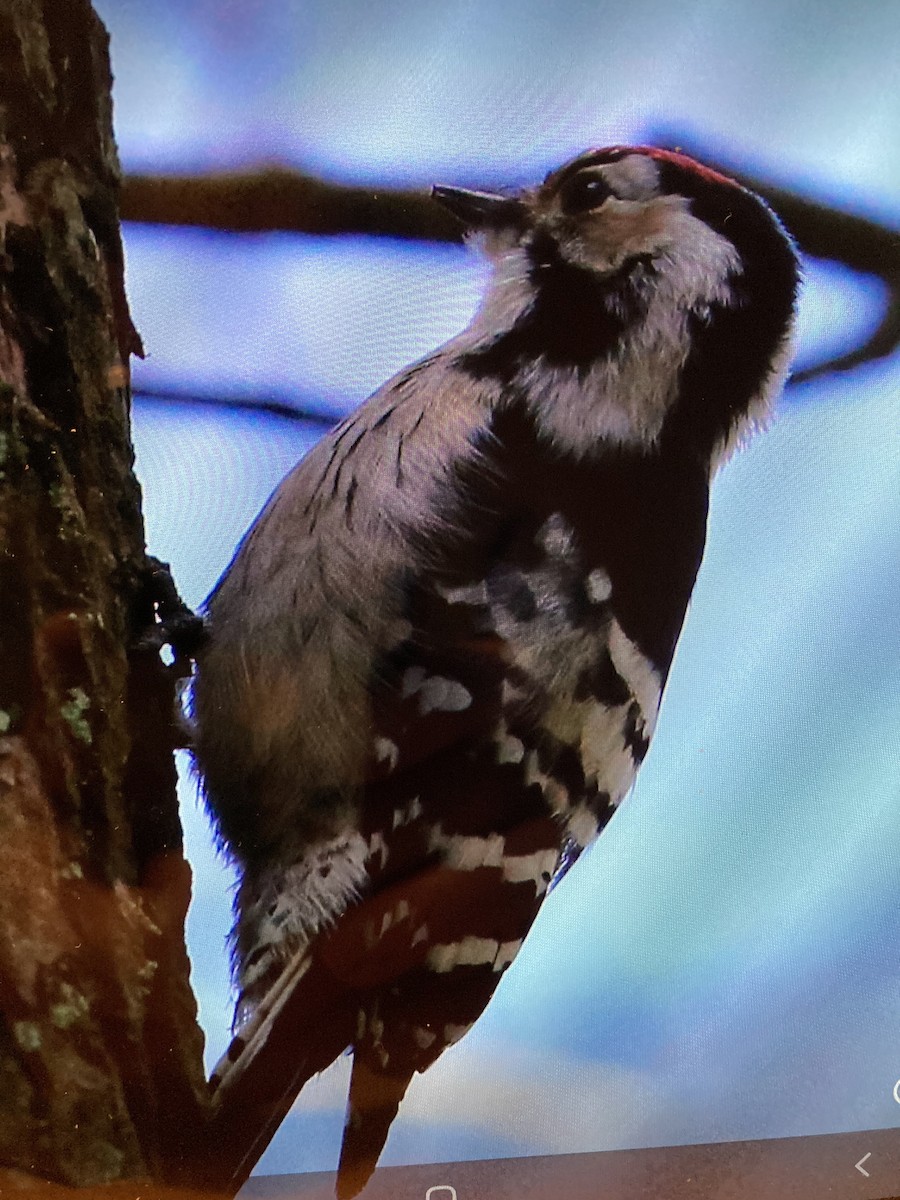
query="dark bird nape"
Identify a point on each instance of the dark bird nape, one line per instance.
(435, 663)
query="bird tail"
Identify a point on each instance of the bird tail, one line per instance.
(374, 1099)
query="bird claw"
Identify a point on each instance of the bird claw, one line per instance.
(173, 624)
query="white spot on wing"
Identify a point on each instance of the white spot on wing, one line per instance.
(598, 586)
(386, 751)
(605, 758)
(474, 594)
(506, 953)
(404, 816)
(442, 958)
(471, 951)
(509, 749)
(377, 845)
(464, 853)
(435, 692)
(639, 673)
(553, 791)
(511, 695)
(531, 868)
(582, 826)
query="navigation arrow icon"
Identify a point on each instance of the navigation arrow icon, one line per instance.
(859, 1166)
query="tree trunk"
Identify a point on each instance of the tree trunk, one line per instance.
(101, 1074)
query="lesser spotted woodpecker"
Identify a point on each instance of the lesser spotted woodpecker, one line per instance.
(435, 662)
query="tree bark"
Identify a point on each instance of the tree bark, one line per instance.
(101, 1074)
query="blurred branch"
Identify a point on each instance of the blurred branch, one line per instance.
(277, 198)
(280, 199)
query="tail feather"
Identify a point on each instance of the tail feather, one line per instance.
(373, 1102)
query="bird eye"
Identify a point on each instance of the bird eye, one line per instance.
(586, 191)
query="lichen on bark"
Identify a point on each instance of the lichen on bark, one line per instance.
(100, 1053)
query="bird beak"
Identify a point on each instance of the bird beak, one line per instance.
(479, 210)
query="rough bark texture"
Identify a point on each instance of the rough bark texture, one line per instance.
(100, 1054)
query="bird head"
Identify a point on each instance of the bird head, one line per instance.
(636, 254)
(622, 207)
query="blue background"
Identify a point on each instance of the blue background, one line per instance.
(723, 963)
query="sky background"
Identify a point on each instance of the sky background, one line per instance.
(723, 963)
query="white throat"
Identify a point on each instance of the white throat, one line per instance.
(624, 398)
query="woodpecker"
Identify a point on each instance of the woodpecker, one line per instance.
(435, 662)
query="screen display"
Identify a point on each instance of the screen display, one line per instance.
(708, 1001)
